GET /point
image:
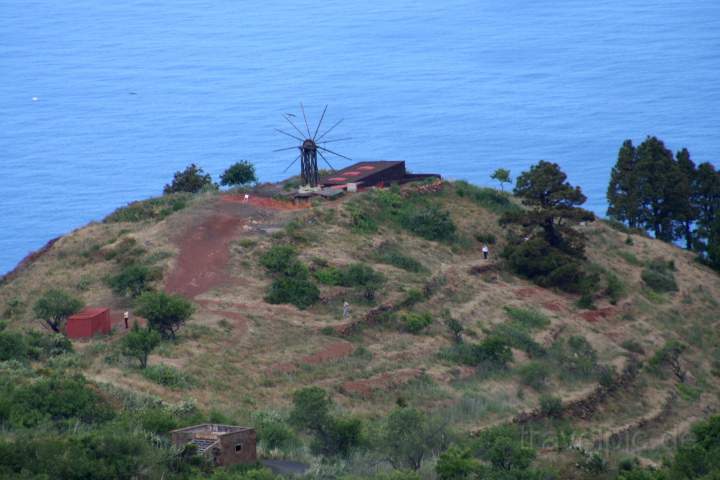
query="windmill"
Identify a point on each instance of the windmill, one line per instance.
(311, 145)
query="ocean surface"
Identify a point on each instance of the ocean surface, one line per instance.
(100, 102)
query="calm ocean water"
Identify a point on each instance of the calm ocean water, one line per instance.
(128, 92)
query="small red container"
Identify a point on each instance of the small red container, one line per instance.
(88, 322)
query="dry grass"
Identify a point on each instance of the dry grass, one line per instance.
(251, 357)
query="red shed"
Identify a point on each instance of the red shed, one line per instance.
(88, 322)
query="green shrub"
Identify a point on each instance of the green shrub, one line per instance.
(125, 252)
(658, 275)
(361, 221)
(392, 254)
(518, 337)
(488, 198)
(667, 355)
(158, 420)
(153, 209)
(416, 322)
(487, 238)
(279, 259)
(551, 406)
(527, 318)
(630, 258)
(633, 346)
(56, 399)
(134, 280)
(55, 306)
(328, 276)
(428, 221)
(168, 376)
(12, 346)
(615, 288)
(586, 301)
(273, 431)
(492, 352)
(297, 291)
(535, 375)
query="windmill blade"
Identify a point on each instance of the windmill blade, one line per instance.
(305, 117)
(288, 134)
(336, 140)
(331, 128)
(293, 163)
(326, 161)
(320, 122)
(285, 149)
(293, 125)
(334, 153)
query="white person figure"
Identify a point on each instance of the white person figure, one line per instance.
(346, 310)
(485, 251)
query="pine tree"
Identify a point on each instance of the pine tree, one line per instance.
(656, 175)
(706, 196)
(623, 193)
(685, 212)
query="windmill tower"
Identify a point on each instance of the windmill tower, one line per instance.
(311, 145)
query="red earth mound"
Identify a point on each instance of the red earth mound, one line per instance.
(599, 314)
(263, 202)
(383, 381)
(333, 351)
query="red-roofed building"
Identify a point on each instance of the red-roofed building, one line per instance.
(88, 323)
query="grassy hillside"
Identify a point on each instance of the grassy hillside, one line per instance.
(409, 263)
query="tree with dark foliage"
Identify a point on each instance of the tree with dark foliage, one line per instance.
(54, 308)
(193, 179)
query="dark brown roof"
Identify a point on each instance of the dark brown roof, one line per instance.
(357, 172)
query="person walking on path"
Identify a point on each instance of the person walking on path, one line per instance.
(346, 310)
(485, 251)
(126, 317)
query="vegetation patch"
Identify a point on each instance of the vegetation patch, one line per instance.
(168, 376)
(659, 276)
(392, 254)
(153, 209)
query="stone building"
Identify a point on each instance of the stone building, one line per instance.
(222, 444)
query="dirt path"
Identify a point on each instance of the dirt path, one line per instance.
(205, 245)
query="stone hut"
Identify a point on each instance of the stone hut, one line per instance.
(222, 444)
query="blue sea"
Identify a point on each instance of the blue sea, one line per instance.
(100, 102)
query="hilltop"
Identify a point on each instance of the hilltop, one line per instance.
(610, 360)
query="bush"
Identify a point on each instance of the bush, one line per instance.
(56, 399)
(126, 252)
(534, 375)
(153, 209)
(488, 198)
(273, 431)
(487, 238)
(527, 318)
(166, 313)
(428, 221)
(191, 180)
(391, 254)
(551, 406)
(279, 259)
(158, 420)
(491, 352)
(45, 345)
(240, 173)
(615, 288)
(328, 276)
(658, 275)
(297, 291)
(416, 322)
(12, 346)
(168, 376)
(134, 280)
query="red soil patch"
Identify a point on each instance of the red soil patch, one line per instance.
(333, 351)
(263, 202)
(285, 367)
(204, 254)
(599, 314)
(553, 306)
(528, 292)
(383, 381)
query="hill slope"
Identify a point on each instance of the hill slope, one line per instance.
(241, 354)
